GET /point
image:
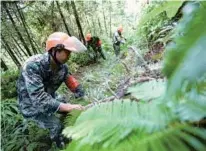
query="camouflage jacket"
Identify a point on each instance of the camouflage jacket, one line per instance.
(37, 84)
(95, 42)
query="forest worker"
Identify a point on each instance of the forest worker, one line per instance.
(39, 79)
(117, 40)
(95, 43)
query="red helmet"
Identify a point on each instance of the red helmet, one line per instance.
(69, 43)
(88, 37)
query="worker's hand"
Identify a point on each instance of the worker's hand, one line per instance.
(66, 107)
(79, 92)
(77, 107)
(123, 41)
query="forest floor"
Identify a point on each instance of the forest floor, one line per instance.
(109, 79)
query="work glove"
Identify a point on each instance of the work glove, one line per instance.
(123, 41)
(79, 92)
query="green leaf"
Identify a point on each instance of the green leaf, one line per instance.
(172, 138)
(116, 120)
(148, 90)
(170, 7)
(185, 64)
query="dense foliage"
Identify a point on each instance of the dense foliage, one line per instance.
(164, 122)
(164, 113)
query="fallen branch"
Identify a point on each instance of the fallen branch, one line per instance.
(121, 92)
(111, 98)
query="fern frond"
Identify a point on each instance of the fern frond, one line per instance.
(173, 138)
(112, 122)
(185, 64)
(188, 51)
(148, 90)
(170, 7)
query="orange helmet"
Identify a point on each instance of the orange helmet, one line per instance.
(120, 28)
(88, 37)
(69, 43)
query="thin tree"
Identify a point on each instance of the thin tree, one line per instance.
(100, 28)
(17, 30)
(87, 21)
(24, 25)
(18, 50)
(10, 52)
(110, 17)
(94, 25)
(19, 46)
(3, 65)
(63, 18)
(78, 22)
(105, 24)
(53, 24)
(69, 10)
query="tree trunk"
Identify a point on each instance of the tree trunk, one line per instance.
(39, 49)
(19, 46)
(17, 30)
(18, 54)
(110, 18)
(24, 24)
(54, 27)
(94, 31)
(8, 49)
(3, 65)
(77, 21)
(19, 49)
(63, 18)
(100, 28)
(88, 22)
(105, 24)
(70, 12)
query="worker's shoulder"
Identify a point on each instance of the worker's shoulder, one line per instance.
(116, 33)
(96, 38)
(34, 61)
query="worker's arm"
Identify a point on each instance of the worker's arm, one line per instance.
(41, 100)
(72, 83)
(65, 107)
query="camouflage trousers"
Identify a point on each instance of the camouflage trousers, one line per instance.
(51, 122)
(98, 52)
(116, 49)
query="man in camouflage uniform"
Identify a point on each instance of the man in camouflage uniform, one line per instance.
(117, 40)
(95, 43)
(41, 76)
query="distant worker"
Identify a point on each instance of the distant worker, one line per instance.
(117, 40)
(95, 43)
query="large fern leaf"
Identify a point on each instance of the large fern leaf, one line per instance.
(173, 138)
(170, 7)
(125, 125)
(112, 122)
(185, 64)
(148, 90)
(187, 52)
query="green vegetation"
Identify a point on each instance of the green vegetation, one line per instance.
(166, 121)
(132, 103)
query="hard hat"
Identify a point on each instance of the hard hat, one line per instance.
(63, 39)
(120, 28)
